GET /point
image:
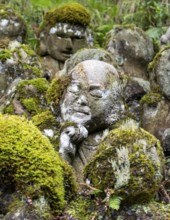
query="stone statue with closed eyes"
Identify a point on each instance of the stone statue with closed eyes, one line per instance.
(93, 102)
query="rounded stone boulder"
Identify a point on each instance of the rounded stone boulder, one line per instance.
(129, 161)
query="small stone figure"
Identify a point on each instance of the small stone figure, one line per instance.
(62, 34)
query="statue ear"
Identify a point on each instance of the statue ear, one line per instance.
(42, 47)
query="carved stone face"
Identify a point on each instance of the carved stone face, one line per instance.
(65, 39)
(93, 98)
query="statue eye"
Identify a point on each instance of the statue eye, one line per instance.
(96, 93)
(74, 89)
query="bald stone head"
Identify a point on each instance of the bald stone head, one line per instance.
(94, 96)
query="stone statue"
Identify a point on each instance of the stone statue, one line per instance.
(12, 25)
(92, 102)
(62, 34)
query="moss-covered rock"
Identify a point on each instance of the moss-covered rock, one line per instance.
(30, 97)
(159, 70)
(129, 161)
(73, 13)
(29, 163)
(151, 99)
(17, 61)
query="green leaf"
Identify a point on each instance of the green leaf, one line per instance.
(114, 202)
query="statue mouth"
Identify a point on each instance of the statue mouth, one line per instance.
(83, 111)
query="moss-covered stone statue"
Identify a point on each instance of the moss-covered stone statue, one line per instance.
(63, 32)
(35, 179)
(11, 25)
(91, 103)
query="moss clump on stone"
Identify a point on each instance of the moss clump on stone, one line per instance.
(151, 99)
(152, 65)
(30, 94)
(73, 13)
(29, 162)
(44, 120)
(22, 56)
(40, 84)
(5, 54)
(56, 89)
(129, 161)
(80, 208)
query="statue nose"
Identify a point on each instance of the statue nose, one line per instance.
(82, 100)
(69, 44)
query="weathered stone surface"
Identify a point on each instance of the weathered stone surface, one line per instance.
(17, 62)
(134, 89)
(86, 54)
(156, 120)
(11, 25)
(128, 47)
(160, 71)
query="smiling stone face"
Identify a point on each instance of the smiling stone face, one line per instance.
(94, 97)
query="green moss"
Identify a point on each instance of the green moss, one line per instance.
(151, 99)
(44, 120)
(80, 208)
(5, 54)
(40, 84)
(153, 64)
(9, 109)
(72, 13)
(33, 67)
(28, 50)
(56, 89)
(31, 104)
(122, 164)
(28, 160)
(35, 70)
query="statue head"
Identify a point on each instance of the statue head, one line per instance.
(94, 96)
(12, 25)
(64, 31)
